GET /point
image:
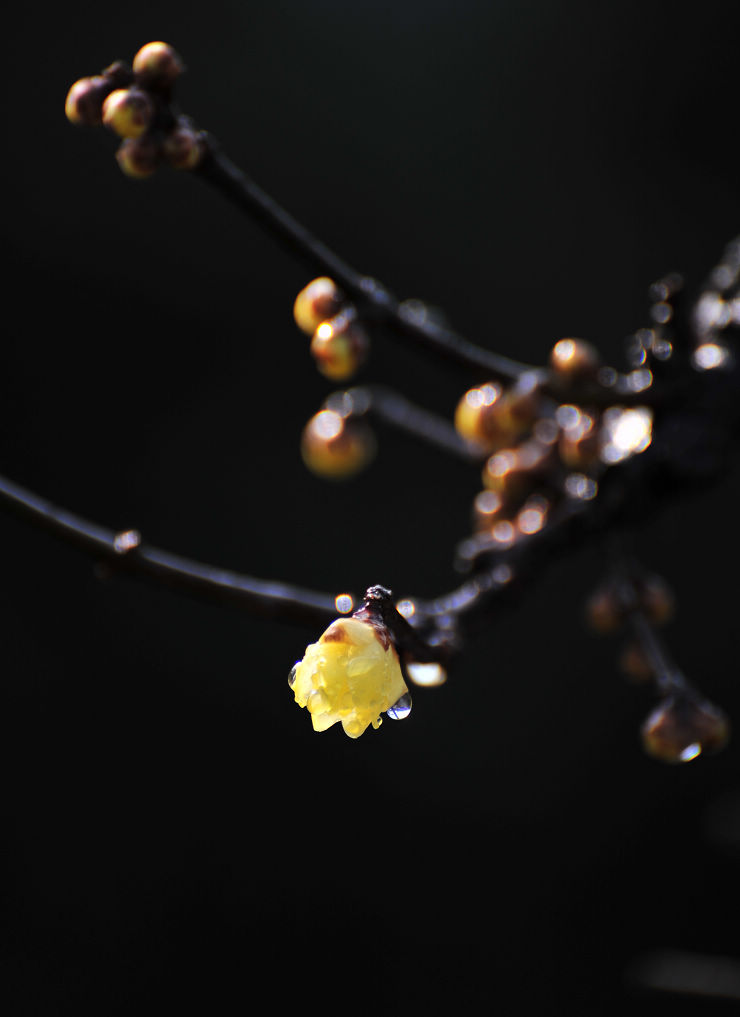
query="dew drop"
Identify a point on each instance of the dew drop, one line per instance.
(291, 676)
(690, 752)
(401, 708)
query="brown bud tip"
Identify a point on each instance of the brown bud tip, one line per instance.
(656, 599)
(524, 401)
(128, 112)
(634, 663)
(139, 157)
(118, 75)
(682, 727)
(183, 147)
(317, 303)
(574, 360)
(157, 65)
(605, 611)
(334, 447)
(84, 105)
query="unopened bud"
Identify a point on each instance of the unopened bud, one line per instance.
(128, 112)
(183, 147)
(682, 727)
(574, 360)
(339, 347)
(84, 105)
(139, 157)
(157, 65)
(336, 448)
(318, 302)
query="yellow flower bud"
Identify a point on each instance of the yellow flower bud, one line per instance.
(157, 65)
(128, 112)
(334, 447)
(574, 360)
(317, 302)
(84, 104)
(339, 347)
(351, 675)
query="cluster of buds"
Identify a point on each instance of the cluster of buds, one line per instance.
(683, 725)
(335, 443)
(539, 451)
(339, 342)
(134, 102)
(610, 605)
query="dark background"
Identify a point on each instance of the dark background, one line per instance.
(177, 833)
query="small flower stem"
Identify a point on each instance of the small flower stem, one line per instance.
(395, 410)
(667, 678)
(124, 552)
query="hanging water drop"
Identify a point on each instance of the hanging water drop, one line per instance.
(401, 708)
(291, 676)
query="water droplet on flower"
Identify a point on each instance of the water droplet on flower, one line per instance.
(401, 708)
(291, 676)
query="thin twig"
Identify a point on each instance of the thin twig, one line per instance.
(399, 412)
(124, 552)
(409, 319)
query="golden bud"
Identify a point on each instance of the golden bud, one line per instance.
(128, 112)
(316, 303)
(336, 448)
(157, 65)
(682, 727)
(480, 417)
(84, 104)
(339, 347)
(574, 360)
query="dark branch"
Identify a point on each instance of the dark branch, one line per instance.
(124, 552)
(409, 319)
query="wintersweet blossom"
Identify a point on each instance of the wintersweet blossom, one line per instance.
(351, 675)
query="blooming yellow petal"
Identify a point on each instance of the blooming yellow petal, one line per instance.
(351, 675)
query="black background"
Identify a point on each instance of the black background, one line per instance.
(178, 835)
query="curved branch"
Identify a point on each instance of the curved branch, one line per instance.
(409, 319)
(124, 552)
